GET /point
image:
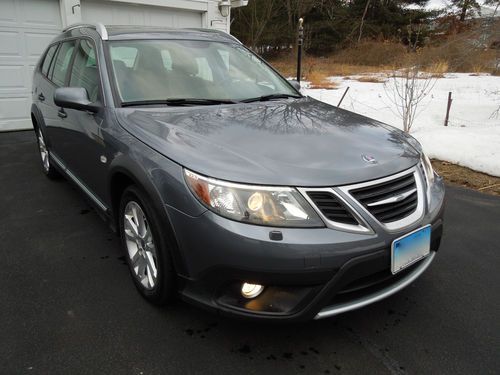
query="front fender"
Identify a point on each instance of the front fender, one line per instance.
(160, 178)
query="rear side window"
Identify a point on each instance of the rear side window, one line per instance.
(61, 62)
(84, 70)
(48, 59)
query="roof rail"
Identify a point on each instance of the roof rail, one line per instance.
(99, 27)
(214, 31)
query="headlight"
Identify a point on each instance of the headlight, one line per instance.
(262, 205)
(428, 170)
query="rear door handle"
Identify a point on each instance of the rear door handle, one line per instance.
(61, 113)
(41, 97)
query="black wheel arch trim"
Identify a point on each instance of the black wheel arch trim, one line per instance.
(37, 114)
(132, 170)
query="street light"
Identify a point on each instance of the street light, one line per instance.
(224, 7)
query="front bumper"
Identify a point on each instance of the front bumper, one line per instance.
(308, 274)
(377, 295)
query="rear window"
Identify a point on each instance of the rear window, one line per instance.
(48, 59)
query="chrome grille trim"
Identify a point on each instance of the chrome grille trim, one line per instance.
(393, 199)
(361, 227)
(404, 222)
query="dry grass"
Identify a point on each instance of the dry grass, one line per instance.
(373, 53)
(462, 176)
(318, 68)
(456, 55)
(319, 80)
(370, 79)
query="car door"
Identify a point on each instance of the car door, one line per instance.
(44, 91)
(84, 147)
(56, 77)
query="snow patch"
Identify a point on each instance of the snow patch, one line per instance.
(472, 138)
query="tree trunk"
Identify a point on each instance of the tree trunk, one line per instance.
(363, 21)
(465, 7)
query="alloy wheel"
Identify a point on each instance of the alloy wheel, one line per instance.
(140, 245)
(44, 152)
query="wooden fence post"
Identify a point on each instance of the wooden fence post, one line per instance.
(342, 98)
(450, 100)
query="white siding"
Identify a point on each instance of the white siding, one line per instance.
(113, 13)
(26, 27)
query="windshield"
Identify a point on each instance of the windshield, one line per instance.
(157, 70)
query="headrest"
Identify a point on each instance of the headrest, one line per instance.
(186, 65)
(119, 65)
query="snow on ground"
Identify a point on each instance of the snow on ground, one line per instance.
(472, 138)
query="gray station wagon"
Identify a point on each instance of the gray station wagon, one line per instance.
(227, 186)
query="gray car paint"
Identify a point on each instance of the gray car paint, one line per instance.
(296, 142)
(287, 142)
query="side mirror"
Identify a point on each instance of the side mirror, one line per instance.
(295, 84)
(75, 98)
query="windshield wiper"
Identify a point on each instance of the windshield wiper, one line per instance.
(270, 97)
(178, 102)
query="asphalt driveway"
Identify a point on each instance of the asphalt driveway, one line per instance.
(68, 306)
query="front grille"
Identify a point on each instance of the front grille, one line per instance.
(332, 207)
(391, 200)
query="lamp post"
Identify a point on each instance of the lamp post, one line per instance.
(300, 42)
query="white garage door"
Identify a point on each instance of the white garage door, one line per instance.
(113, 13)
(26, 27)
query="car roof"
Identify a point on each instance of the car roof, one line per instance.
(149, 32)
(128, 32)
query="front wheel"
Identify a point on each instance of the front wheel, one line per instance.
(147, 250)
(44, 152)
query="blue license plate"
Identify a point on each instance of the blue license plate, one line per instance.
(410, 248)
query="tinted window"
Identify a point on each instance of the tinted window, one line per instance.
(61, 62)
(126, 55)
(84, 71)
(175, 69)
(167, 59)
(48, 59)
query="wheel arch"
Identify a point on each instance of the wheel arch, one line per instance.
(125, 172)
(36, 117)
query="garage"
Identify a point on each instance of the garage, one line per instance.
(110, 13)
(27, 26)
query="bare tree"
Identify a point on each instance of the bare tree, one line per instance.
(362, 23)
(257, 18)
(406, 89)
(496, 112)
(465, 7)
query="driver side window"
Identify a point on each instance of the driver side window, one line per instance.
(84, 72)
(61, 63)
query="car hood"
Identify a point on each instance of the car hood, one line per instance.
(300, 142)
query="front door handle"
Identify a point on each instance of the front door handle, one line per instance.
(41, 97)
(62, 114)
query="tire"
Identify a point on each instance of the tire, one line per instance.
(146, 249)
(43, 150)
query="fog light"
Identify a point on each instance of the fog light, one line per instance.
(251, 290)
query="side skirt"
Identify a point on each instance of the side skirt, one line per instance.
(104, 210)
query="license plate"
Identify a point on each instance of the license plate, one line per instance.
(410, 248)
